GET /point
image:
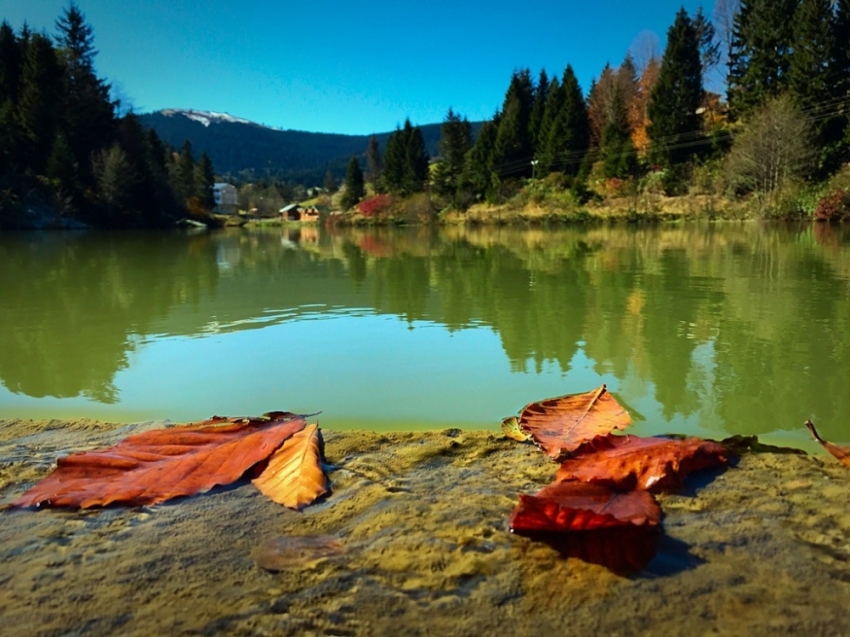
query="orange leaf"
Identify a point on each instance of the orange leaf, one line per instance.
(158, 465)
(560, 425)
(632, 462)
(578, 506)
(842, 453)
(294, 476)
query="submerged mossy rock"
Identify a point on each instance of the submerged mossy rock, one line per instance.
(413, 540)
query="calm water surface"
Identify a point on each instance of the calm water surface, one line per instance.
(709, 330)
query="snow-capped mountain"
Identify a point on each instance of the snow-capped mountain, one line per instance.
(205, 117)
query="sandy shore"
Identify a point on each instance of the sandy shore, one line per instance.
(413, 541)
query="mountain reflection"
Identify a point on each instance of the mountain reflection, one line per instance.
(715, 322)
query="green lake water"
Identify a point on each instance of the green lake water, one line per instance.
(709, 330)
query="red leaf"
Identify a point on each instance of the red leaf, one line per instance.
(158, 465)
(842, 453)
(578, 506)
(632, 462)
(560, 425)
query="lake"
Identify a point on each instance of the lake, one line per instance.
(712, 330)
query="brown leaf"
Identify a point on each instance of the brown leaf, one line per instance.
(294, 476)
(842, 453)
(578, 506)
(158, 465)
(560, 425)
(632, 462)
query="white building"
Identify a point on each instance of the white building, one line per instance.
(224, 194)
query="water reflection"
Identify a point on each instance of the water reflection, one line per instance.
(738, 328)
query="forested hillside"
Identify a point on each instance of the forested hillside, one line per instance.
(246, 151)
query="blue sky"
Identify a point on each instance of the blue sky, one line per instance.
(348, 67)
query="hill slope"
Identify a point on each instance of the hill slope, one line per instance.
(247, 150)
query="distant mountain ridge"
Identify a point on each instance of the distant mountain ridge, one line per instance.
(247, 150)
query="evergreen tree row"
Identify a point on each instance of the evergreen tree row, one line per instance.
(63, 149)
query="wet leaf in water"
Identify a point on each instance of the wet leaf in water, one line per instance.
(510, 427)
(579, 506)
(158, 465)
(842, 453)
(632, 462)
(560, 425)
(282, 553)
(294, 476)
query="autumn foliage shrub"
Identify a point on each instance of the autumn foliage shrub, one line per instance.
(377, 205)
(833, 206)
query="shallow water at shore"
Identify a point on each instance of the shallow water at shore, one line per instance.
(413, 540)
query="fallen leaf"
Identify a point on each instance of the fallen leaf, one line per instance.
(842, 453)
(282, 553)
(632, 462)
(579, 506)
(510, 427)
(560, 425)
(294, 476)
(158, 465)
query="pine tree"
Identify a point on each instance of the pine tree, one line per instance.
(204, 180)
(513, 153)
(812, 78)
(354, 185)
(616, 151)
(568, 135)
(116, 182)
(709, 45)
(416, 173)
(841, 52)
(406, 162)
(478, 179)
(394, 160)
(760, 57)
(538, 111)
(674, 122)
(11, 62)
(89, 114)
(38, 109)
(62, 169)
(374, 166)
(183, 177)
(455, 142)
(841, 70)
(551, 112)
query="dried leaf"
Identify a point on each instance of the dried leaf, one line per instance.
(842, 453)
(294, 476)
(158, 465)
(632, 462)
(510, 427)
(282, 553)
(579, 506)
(560, 425)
